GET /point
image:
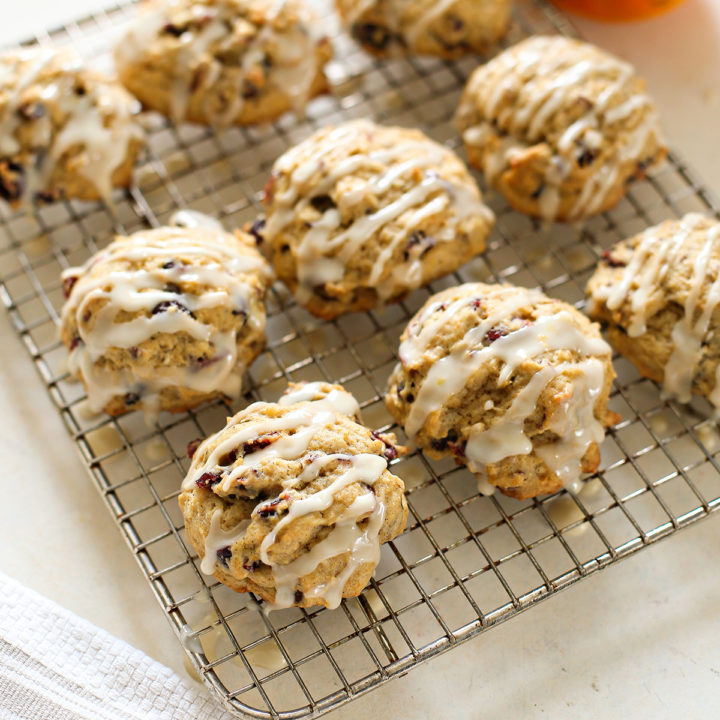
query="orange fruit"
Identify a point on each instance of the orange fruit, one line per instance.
(617, 9)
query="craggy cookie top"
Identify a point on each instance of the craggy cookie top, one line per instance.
(487, 372)
(585, 108)
(291, 500)
(165, 310)
(58, 119)
(221, 55)
(664, 284)
(363, 208)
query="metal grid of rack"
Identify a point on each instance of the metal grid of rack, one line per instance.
(465, 562)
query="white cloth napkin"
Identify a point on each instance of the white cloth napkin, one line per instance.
(56, 666)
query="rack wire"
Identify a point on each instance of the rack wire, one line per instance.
(466, 562)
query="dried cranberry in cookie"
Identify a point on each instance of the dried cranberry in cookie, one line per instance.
(659, 293)
(361, 214)
(559, 127)
(165, 319)
(65, 131)
(299, 514)
(224, 62)
(509, 382)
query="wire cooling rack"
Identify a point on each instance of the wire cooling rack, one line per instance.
(465, 562)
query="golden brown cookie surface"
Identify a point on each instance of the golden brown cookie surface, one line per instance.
(559, 127)
(508, 381)
(291, 500)
(658, 292)
(165, 319)
(65, 131)
(361, 214)
(224, 62)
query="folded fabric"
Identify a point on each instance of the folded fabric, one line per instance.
(56, 666)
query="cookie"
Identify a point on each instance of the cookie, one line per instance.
(510, 382)
(224, 62)
(658, 293)
(448, 29)
(65, 131)
(292, 500)
(165, 319)
(559, 127)
(361, 214)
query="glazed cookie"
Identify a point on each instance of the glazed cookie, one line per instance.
(659, 293)
(165, 319)
(65, 131)
(224, 62)
(559, 127)
(448, 28)
(512, 383)
(291, 500)
(361, 214)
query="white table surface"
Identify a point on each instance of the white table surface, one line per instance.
(637, 640)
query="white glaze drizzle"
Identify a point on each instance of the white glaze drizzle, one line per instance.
(540, 98)
(648, 267)
(430, 13)
(307, 416)
(346, 535)
(484, 487)
(100, 120)
(326, 248)
(304, 421)
(135, 290)
(449, 374)
(189, 640)
(292, 48)
(574, 423)
(506, 436)
(339, 400)
(641, 283)
(688, 333)
(193, 219)
(424, 326)
(217, 539)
